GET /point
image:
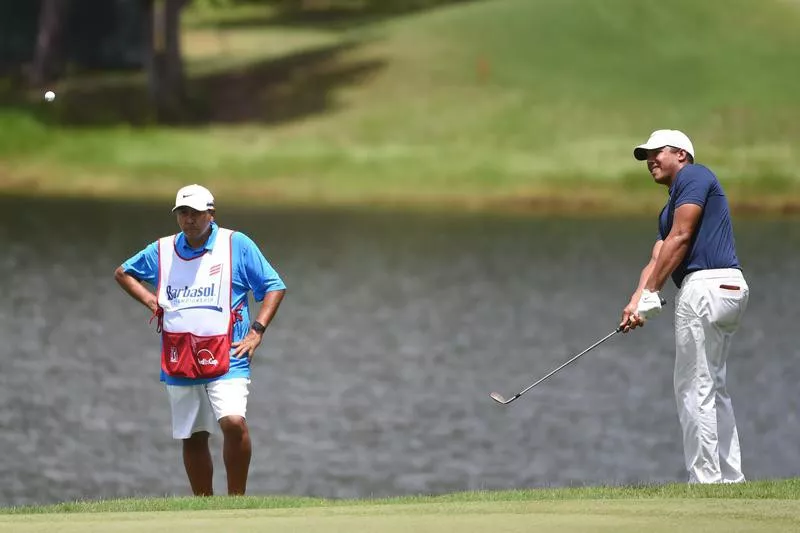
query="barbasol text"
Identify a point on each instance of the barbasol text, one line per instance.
(184, 296)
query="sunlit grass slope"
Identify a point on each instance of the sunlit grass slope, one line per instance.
(509, 102)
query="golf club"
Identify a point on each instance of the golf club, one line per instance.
(499, 397)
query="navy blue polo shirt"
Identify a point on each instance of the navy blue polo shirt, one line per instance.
(712, 244)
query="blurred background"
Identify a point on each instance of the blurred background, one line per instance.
(447, 188)
(514, 104)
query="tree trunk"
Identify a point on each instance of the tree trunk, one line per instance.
(164, 61)
(48, 58)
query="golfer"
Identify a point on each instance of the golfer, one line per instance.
(695, 245)
(203, 276)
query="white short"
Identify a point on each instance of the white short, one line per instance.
(197, 408)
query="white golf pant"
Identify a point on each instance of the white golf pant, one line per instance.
(708, 310)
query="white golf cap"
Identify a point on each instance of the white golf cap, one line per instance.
(662, 138)
(195, 196)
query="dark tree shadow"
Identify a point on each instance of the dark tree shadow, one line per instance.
(282, 90)
(334, 16)
(266, 92)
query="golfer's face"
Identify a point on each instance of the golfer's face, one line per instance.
(193, 223)
(663, 164)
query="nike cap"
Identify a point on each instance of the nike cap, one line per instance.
(662, 138)
(195, 196)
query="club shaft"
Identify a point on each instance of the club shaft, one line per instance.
(590, 348)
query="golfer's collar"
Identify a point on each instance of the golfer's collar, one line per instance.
(674, 181)
(678, 173)
(184, 244)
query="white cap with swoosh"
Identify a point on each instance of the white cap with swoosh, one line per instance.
(662, 138)
(195, 196)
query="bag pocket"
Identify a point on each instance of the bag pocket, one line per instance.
(191, 356)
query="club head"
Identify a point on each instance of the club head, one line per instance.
(496, 396)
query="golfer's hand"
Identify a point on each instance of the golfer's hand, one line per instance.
(629, 319)
(649, 305)
(247, 346)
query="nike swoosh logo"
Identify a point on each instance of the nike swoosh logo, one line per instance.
(187, 195)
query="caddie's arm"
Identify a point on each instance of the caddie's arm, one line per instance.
(136, 289)
(676, 245)
(272, 300)
(247, 346)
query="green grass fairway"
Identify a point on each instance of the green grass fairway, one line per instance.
(764, 506)
(721, 516)
(517, 104)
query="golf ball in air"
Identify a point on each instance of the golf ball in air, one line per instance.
(49, 96)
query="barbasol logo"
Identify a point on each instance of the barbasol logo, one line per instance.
(206, 296)
(191, 292)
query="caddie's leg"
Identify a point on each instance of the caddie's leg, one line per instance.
(694, 388)
(192, 421)
(198, 464)
(236, 452)
(228, 399)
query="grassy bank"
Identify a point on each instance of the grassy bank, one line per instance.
(764, 506)
(510, 104)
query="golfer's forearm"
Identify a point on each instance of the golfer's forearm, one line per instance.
(135, 289)
(672, 253)
(647, 271)
(643, 277)
(272, 300)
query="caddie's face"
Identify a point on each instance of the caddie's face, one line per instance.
(664, 163)
(194, 224)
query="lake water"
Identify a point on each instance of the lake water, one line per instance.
(374, 378)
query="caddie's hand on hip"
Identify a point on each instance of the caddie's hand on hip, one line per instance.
(152, 304)
(247, 346)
